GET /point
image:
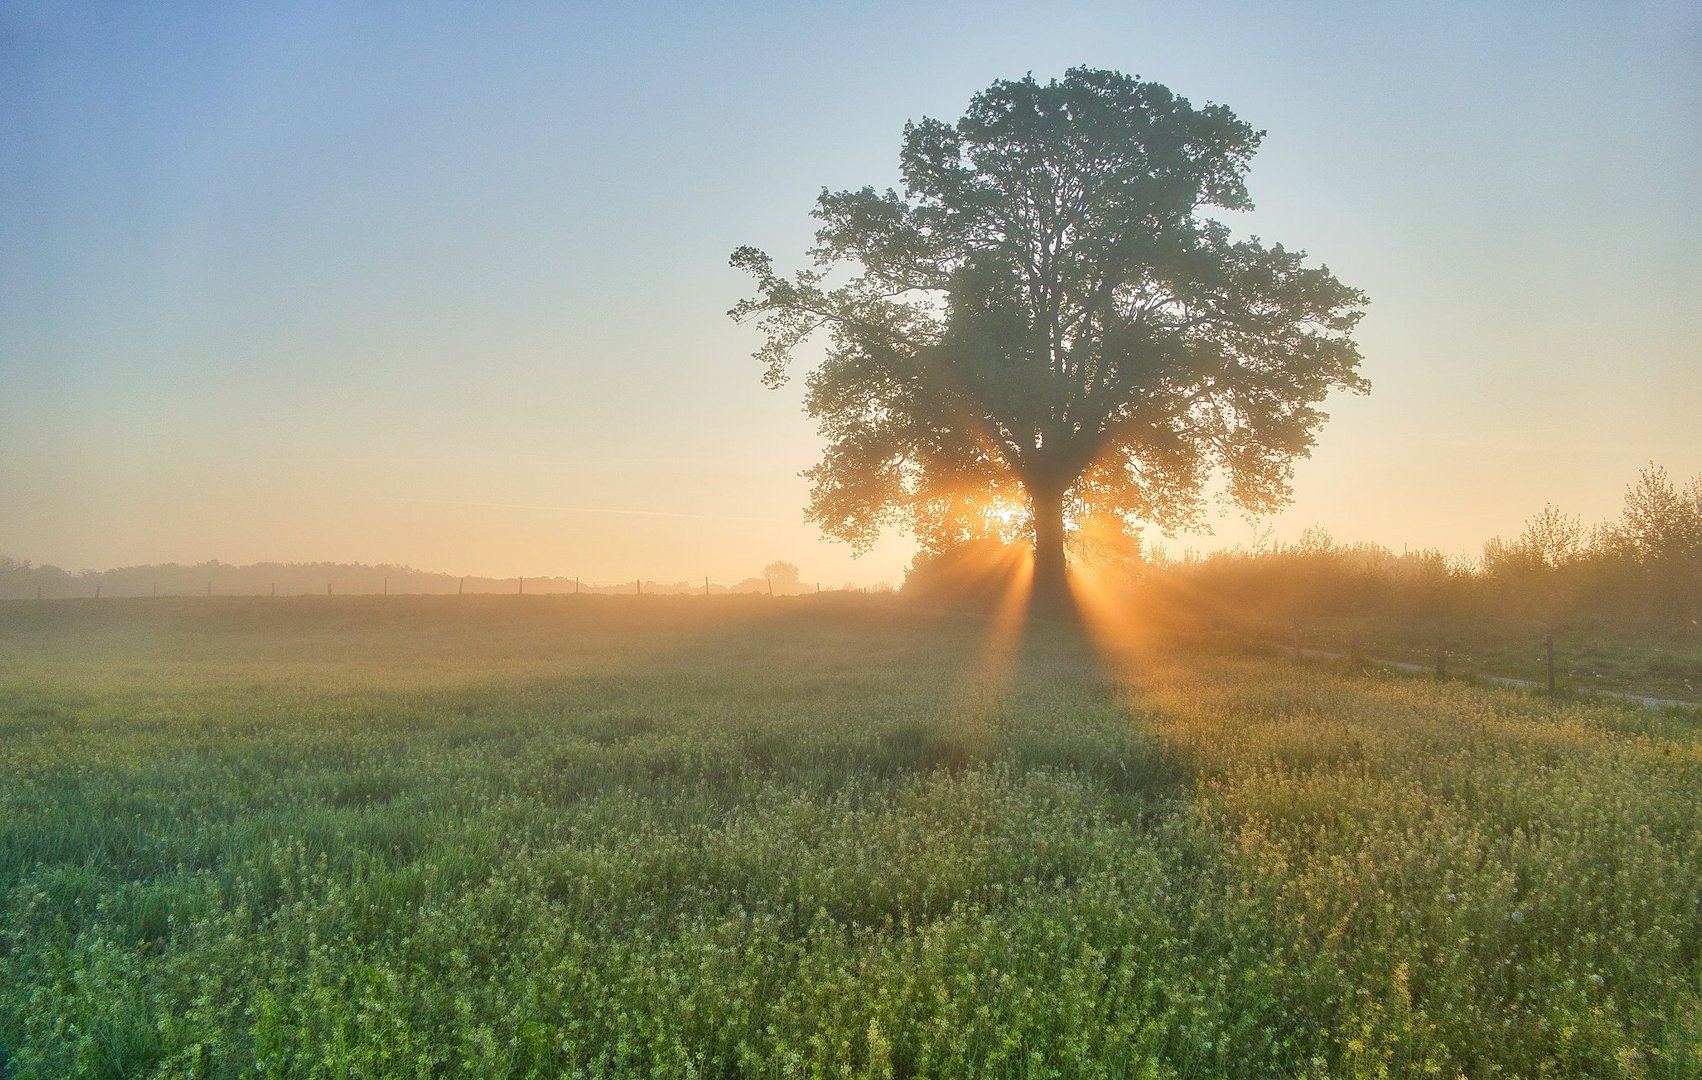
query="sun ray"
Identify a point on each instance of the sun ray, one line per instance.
(1000, 578)
(1117, 629)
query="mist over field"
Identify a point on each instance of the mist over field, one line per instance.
(925, 540)
(21, 579)
(876, 835)
(742, 836)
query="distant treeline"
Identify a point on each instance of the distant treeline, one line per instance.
(21, 579)
(1642, 569)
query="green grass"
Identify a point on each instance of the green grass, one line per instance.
(1588, 656)
(598, 836)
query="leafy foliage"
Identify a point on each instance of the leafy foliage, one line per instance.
(1048, 315)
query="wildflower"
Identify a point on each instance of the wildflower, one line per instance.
(1518, 916)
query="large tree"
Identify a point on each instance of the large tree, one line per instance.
(1048, 322)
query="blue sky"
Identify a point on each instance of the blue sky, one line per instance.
(329, 281)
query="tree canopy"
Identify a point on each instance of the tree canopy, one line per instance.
(1048, 330)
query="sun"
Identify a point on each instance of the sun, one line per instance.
(1005, 519)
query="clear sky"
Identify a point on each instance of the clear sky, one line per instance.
(443, 285)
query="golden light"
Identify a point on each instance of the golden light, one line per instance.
(992, 571)
(972, 706)
(1114, 625)
(1006, 519)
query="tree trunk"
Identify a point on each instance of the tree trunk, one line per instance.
(1051, 593)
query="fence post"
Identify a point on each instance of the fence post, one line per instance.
(327, 588)
(1548, 651)
(1442, 659)
(770, 586)
(522, 591)
(576, 586)
(38, 592)
(706, 584)
(274, 588)
(209, 588)
(461, 587)
(156, 590)
(97, 592)
(386, 586)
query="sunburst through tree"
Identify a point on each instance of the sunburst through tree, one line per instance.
(1048, 318)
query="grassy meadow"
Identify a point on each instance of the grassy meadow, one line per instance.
(594, 836)
(1589, 657)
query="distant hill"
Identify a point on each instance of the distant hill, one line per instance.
(22, 579)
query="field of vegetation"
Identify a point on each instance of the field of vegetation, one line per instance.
(1622, 601)
(1588, 657)
(596, 836)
